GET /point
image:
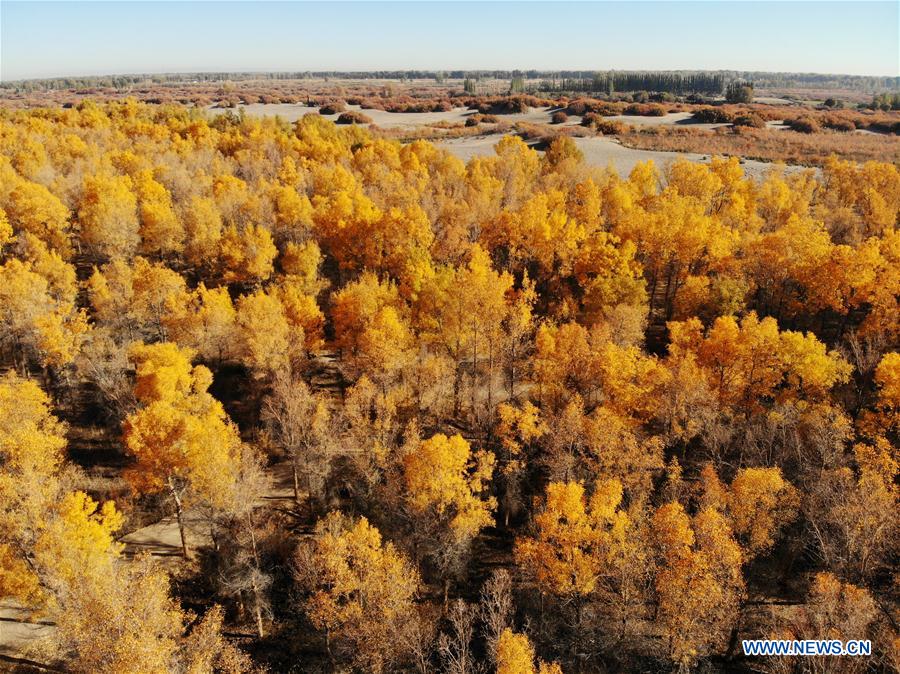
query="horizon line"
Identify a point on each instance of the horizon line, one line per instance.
(473, 71)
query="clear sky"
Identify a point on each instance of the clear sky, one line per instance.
(45, 39)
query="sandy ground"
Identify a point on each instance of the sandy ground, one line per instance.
(163, 540)
(604, 152)
(671, 119)
(292, 112)
(598, 151)
(382, 118)
(391, 120)
(772, 100)
(395, 120)
(20, 638)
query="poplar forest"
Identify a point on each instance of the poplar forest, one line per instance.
(299, 397)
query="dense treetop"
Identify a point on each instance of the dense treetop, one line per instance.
(629, 395)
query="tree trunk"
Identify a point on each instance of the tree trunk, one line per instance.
(457, 377)
(490, 380)
(257, 611)
(474, 377)
(257, 603)
(179, 516)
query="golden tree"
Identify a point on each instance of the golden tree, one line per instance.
(698, 580)
(31, 462)
(585, 548)
(267, 344)
(445, 482)
(760, 503)
(461, 310)
(361, 590)
(181, 438)
(107, 216)
(515, 655)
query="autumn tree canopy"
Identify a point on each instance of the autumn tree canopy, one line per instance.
(404, 412)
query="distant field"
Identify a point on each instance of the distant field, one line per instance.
(385, 119)
(392, 120)
(599, 151)
(605, 152)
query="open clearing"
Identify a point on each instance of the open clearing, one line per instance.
(397, 120)
(598, 151)
(389, 120)
(605, 152)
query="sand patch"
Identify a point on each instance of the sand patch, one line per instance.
(605, 152)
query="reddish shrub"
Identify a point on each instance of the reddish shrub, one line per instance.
(804, 125)
(332, 108)
(751, 120)
(353, 117)
(839, 124)
(611, 128)
(652, 110)
(712, 116)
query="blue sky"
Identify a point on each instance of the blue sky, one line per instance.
(45, 39)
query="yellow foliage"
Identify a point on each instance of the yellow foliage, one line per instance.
(181, 437)
(515, 655)
(78, 545)
(204, 321)
(246, 256)
(107, 215)
(33, 209)
(301, 263)
(699, 582)
(363, 588)
(162, 371)
(761, 502)
(6, 232)
(203, 231)
(265, 335)
(444, 476)
(887, 379)
(33, 316)
(577, 542)
(517, 428)
(751, 361)
(302, 314)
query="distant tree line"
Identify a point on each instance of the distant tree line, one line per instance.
(764, 80)
(609, 82)
(561, 80)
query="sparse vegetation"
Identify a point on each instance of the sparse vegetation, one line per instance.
(769, 145)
